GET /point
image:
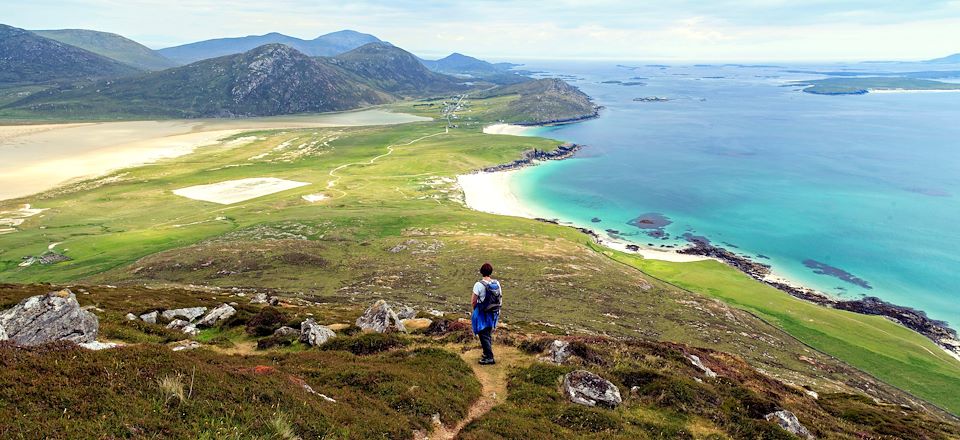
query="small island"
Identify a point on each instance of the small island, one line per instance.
(651, 99)
(863, 85)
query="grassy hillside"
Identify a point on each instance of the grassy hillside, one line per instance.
(112, 46)
(394, 70)
(29, 59)
(269, 80)
(542, 101)
(393, 226)
(855, 86)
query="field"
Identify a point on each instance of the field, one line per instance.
(393, 226)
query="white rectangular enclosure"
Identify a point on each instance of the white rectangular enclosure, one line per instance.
(233, 191)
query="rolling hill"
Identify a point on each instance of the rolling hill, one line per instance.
(325, 45)
(394, 70)
(269, 80)
(543, 101)
(949, 59)
(112, 46)
(464, 65)
(27, 58)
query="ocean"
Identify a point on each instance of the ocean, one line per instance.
(851, 195)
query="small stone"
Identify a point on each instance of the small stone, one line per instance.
(788, 421)
(151, 317)
(178, 324)
(405, 312)
(585, 388)
(97, 345)
(314, 334)
(259, 298)
(558, 352)
(286, 332)
(186, 313)
(185, 344)
(219, 314)
(131, 317)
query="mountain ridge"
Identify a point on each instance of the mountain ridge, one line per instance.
(329, 44)
(110, 45)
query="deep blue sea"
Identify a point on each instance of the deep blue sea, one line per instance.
(851, 195)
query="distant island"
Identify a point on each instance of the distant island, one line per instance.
(860, 86)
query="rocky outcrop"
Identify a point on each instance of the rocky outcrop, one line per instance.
(184, 326)
(585, 388)
(186, 314)
(788, 421)
(563, 151)
(314, 334)
(695, 360)
(380, 318)
(56, 316)
(217, 315)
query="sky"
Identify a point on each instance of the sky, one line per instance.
(731, 30)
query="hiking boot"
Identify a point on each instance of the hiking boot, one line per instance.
(485, 361)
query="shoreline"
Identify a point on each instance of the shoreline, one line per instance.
(493, 183)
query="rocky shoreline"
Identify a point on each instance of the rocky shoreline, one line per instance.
(563, 151)
(595, 114)
(916, 320)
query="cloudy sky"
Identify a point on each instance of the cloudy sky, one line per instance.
(603, 29)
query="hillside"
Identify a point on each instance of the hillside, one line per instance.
(543, 101)
(949, 59)
(394, 70)
(112, 46)
(325, 45)
(269, 80)
(27, 58)
(463, 65)
(252, 375)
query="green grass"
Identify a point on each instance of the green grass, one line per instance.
(847, 86)
(889, 351)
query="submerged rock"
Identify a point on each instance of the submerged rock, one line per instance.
(314, 334)
(585, 388)
(187, 313)
(380, 318)
(219, 314)
(788, 421)
(56, 316)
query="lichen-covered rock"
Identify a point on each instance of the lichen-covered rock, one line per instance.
(56, 316)
(380, 318)
(151, 317)
(217, 315)
(186, 313)
(585, 388)
(788, 421)
(314, 334)
(695, 360)
(558, 352)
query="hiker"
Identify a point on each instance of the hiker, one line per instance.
(486, 300)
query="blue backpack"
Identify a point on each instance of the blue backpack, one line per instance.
(492, 298)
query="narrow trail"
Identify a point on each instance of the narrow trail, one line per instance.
(333, 173)
(493, 380)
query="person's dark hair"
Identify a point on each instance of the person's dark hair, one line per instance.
(486, 269)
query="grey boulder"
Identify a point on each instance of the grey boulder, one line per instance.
(788, 421)
(184, 326)
(558, 352)
(585, 388)
(217, 315)
(695, 360)
(315, 334)
(151, 317)
(56, 316)
(405, 312)
(380, 318)
(286, 332)
(186, 314)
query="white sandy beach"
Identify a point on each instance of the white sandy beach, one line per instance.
(35, 158)
(492, 193)
(509, 129)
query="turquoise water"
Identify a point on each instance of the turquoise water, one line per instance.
(868, 185)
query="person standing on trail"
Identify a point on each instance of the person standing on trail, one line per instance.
(487, 299)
